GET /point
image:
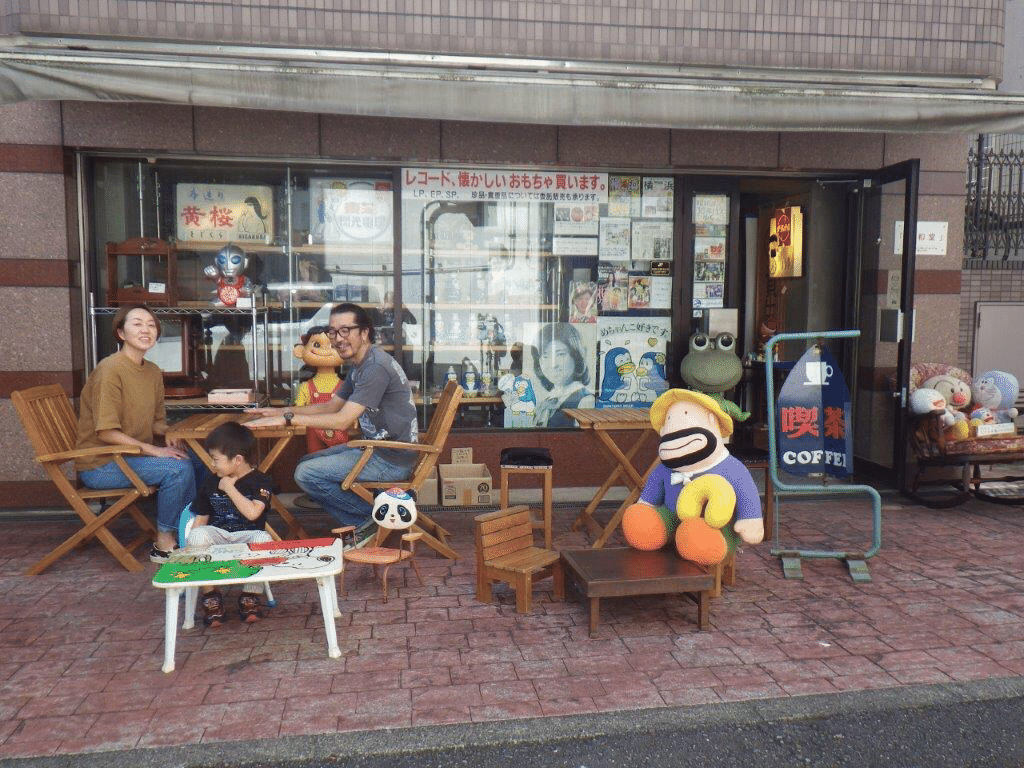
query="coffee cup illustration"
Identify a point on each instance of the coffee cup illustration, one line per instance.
(818, 374)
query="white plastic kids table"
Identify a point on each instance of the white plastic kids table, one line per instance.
(223, 564)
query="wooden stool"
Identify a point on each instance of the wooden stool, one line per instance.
(545, 472)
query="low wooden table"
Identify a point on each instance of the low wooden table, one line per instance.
(224, 564)
(623, 572)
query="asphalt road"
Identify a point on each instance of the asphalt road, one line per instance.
(943, 726)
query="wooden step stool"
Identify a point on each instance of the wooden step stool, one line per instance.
(513, 462)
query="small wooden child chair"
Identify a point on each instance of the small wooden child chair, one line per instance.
(394, 510)
(505, 552)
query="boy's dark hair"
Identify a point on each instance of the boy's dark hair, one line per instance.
(232, 439)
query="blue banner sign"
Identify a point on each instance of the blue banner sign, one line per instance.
(814, 423)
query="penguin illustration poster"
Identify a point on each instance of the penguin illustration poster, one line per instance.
(632, 360)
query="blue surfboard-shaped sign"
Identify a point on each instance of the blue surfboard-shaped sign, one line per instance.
(814, 418)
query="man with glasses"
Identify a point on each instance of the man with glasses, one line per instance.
(376, 394)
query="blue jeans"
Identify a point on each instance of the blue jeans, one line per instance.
(320, 474)
(175, 481)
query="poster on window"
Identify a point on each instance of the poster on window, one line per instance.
(350, 211)
(656, 200)
(614, 239)
(582, 301)
(624, 196)
(708, 295)
(711, 210)
(633, 355)
(612, 286)
(652, 240)
(559, 360)
(575, 218)
(224, 213)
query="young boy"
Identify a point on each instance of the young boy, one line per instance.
(231, 508)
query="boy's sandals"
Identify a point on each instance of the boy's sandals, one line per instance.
(250, 608)
(213, 609)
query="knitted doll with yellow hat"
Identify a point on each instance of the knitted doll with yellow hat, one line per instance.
(698, 488)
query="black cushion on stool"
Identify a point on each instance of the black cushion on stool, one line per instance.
(526, 457)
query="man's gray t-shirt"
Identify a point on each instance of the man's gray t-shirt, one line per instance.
(380, 385)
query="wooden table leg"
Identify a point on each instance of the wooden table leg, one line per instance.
(616, 520)
(703, 610)
(623, 466)
(595, 615)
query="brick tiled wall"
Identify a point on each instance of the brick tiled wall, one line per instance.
(920, 36)
(985, 281)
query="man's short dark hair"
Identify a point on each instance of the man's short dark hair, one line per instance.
(232, 439)
(363, 319)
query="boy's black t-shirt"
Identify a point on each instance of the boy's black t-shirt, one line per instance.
(218, 505)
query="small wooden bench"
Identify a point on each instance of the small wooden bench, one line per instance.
(505, 553)
(935, 456)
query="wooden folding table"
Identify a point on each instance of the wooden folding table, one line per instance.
(604, 424)
(192, 430)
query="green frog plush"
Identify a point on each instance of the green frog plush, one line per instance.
(712, 367)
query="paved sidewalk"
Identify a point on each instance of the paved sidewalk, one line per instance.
(81, 646)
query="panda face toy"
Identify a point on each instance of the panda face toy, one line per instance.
(394, 509)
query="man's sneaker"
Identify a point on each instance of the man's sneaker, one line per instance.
(250, 608)
(213, 609)
(364, 532)
(159, 555)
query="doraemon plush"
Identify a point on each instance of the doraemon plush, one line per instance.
(996, 391)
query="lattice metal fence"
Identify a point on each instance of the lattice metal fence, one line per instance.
(994, 221)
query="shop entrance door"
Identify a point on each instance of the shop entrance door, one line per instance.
(883, 215)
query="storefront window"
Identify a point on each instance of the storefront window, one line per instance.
(540, 290)
(537, 290)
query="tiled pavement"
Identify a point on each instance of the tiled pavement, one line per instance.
(81, 645)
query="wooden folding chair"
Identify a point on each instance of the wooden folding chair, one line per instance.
(50, 422)
(429, 449)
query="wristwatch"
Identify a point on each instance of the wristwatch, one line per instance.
(288, 416)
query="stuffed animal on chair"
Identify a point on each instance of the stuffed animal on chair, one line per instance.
(318, 353)
(698, 489)
(996, 391)
(958, 397)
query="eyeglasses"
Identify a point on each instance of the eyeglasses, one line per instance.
(341, 330)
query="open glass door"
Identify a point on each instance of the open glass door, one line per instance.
(883, 211)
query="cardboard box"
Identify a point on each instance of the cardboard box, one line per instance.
(465, 485)
(428, 491)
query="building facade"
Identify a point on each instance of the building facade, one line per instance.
(478, 164)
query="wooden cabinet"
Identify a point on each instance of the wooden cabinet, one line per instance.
(142, 269)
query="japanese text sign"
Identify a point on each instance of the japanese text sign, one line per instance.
(224, 213)
(461, 184)
(814, 418)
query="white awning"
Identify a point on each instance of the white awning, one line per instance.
(501, 90)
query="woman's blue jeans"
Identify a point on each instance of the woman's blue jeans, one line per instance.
(320, 474)
(175, 481)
